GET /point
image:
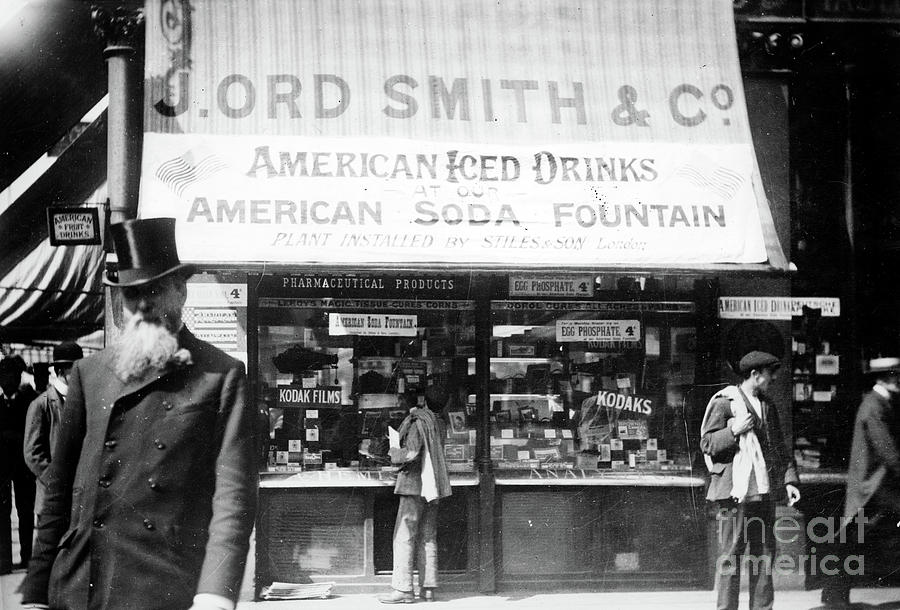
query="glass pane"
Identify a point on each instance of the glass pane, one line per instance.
(582, 384)
(337, 374)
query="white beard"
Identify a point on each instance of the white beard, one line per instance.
(142, 347)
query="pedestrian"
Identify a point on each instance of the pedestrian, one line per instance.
(421, 482)
(750, 469)
(42, 420)
(151, 493)
(14, 474)
(873, 483)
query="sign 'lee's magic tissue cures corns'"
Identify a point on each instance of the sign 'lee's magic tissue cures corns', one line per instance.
(532, 132)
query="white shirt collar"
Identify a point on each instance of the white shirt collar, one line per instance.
(61, 387)
(881, 391)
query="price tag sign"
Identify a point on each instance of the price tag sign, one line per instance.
(572, 331)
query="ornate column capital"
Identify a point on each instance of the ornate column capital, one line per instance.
(119, 28)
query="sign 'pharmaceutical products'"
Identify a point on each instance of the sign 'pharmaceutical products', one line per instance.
(569, 331)
(298, 396)
(373, 324)
(541, 133)
(775, 308)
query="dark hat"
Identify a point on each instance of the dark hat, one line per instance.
(13, 364)
(146, 251)
(435, 397)
(883, 366)
(67, 352)
(757, 360)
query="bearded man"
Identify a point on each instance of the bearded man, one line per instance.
(151, 493)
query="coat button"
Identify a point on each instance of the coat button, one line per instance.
(159, 444)
(104, 482)
(98, 522)
(110, 444)
(167, 405)
(149, 524)
(153, 483)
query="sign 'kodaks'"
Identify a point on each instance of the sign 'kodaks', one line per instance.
(470, 132)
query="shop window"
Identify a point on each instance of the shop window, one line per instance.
(337, 375)
(590, 385)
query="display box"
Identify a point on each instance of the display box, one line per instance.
(378, 401)
(549, 454)
(587, 461)
(633, 429)
(455, 452)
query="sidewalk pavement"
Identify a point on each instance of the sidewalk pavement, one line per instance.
(880, 599)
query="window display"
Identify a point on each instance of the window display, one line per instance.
(337, 374)
(590, 385)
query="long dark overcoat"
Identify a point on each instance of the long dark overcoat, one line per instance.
(873, 475)
(151, 494)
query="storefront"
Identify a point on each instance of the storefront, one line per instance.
(526, 211)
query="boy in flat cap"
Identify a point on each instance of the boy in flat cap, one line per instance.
(151, 494)
(750, 469)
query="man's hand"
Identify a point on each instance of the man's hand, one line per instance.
(742, 424)
(793, 494)
(398, 455)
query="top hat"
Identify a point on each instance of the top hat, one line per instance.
(146, 252)
(66, 352)
(883, 365)
(756, 360)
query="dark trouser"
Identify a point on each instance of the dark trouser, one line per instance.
(415, 543)
(16, 476)
(742, 528)
(865, 550)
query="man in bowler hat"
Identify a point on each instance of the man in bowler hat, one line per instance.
(42, 420)
(750, 468)
(151, 493)
(873, 482)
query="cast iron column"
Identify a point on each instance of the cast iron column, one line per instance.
(483, 288)
(121, 29)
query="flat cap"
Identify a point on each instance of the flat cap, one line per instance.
(757, 360)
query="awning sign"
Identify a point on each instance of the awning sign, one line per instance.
(338, 135)
(373, 324)
(73, 226)
(569, 331)
(547, 286)
(775, 308)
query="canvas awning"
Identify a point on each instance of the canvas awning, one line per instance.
(521, 133)
(52, 73)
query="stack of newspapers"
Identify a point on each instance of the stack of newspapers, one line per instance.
(290, 590)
